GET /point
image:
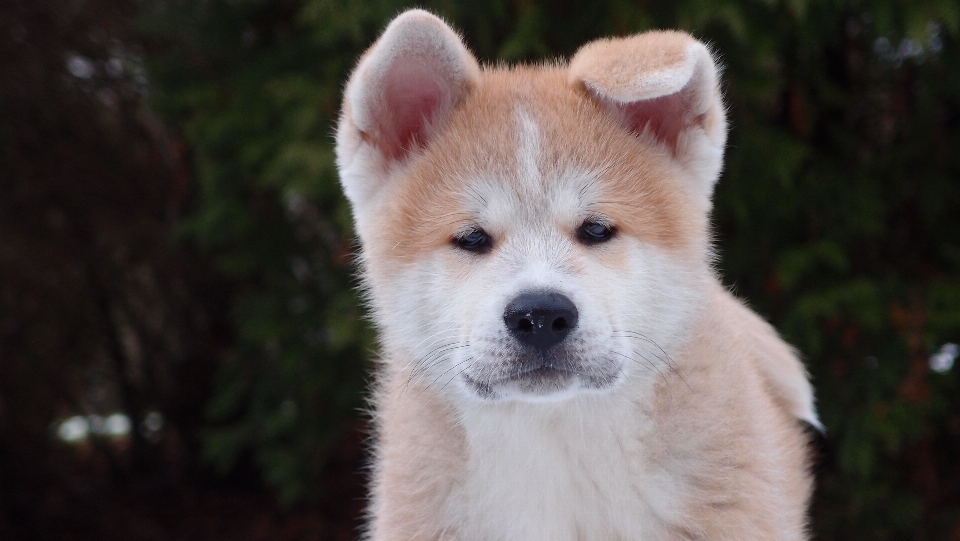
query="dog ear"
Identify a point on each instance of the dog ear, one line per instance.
(402, 89)
(664, 86)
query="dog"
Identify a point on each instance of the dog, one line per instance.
(559, 360)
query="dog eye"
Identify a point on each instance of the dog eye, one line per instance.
(475, 241)
(594, 232)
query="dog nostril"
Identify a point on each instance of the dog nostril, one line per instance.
(559, 324)
(525, 325)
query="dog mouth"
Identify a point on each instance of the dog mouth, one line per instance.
(540, 381)
(539, 377)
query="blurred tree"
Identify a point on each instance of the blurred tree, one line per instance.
(254, 90)
(100, 311)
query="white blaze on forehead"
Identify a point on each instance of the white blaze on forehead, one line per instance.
(536, 193)
(528, 152)
(559, 192)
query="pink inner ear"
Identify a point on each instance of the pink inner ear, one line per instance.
(412, 97)
(664, 117)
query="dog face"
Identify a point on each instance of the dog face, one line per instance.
(531, 233)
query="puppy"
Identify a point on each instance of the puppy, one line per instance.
(559, 359)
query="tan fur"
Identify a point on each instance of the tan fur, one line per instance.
(704, 442)
(474, 141)
(652, 67)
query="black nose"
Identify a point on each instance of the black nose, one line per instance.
(541, 320)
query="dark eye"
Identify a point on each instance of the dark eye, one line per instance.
(592, 232)
(474, 241)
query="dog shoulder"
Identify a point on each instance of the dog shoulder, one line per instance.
(776, 362)
(417, 465)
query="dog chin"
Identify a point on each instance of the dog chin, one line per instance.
(542, 384)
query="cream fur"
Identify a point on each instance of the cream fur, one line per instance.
(681, 417)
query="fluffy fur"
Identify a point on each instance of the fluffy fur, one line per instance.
(670, 411)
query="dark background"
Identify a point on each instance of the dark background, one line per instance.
(182, 356)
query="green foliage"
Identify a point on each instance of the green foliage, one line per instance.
(836, 217)
(245, 84)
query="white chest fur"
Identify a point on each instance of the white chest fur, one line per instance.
(559, 472)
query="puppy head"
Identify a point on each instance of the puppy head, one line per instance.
(531, 233)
